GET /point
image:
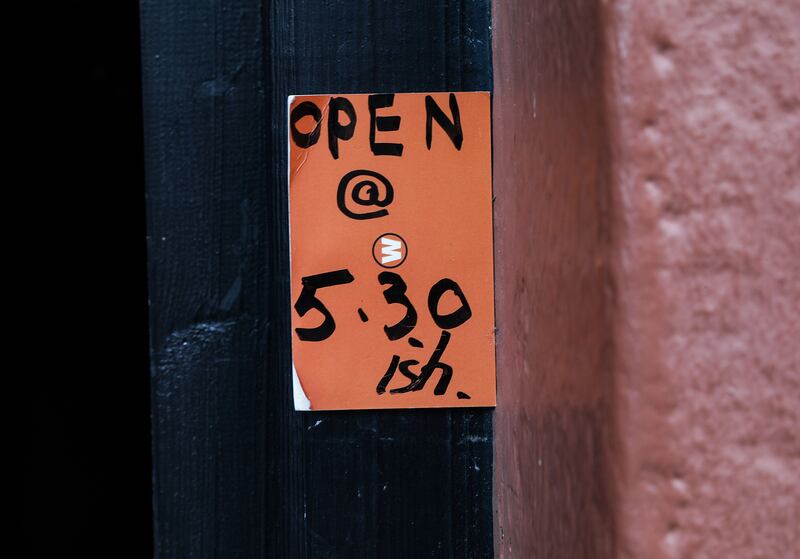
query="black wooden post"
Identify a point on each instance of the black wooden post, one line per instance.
(237, 472)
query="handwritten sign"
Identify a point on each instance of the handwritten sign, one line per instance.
(390, 201)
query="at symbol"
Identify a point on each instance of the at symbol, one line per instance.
(369, 188)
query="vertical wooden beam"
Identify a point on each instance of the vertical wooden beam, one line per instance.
(237, 472)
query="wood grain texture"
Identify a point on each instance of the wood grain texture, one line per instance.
(238, 473)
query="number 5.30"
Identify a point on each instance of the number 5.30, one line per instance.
(395, 293)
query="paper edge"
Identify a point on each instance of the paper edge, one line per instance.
(301, 401)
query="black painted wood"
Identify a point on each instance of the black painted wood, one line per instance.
(237, 472)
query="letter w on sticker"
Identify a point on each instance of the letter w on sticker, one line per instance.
(390, 250)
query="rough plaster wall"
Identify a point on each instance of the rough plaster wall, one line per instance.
(552, 423)
(705, 101)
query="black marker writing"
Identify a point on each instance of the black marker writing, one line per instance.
(378, 123)
(367, 188)
(455, 318)
(451, 127)
(396, 293)
(336, 130)
(383, 124)
(308, 300)
(418, 381)
(304, 109)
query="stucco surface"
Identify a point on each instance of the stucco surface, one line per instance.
(647, 228)
(704, 98)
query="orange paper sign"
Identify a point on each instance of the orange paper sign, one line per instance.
(390, 202)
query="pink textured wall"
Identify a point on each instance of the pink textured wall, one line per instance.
(647, 224)
(705, 103)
